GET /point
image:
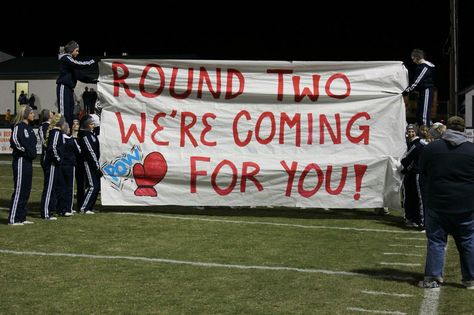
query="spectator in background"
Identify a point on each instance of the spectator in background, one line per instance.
(93, 100)
(23, 99)
(86, 99)
(31, 102)
(447, 166)
(77, 110)
(8, 116)
(423, 83)
(69, 73)
(23, 144)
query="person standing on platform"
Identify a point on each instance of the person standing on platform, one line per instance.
(69, 73)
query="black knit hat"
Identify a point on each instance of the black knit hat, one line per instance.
(85, 121)
(69, 48)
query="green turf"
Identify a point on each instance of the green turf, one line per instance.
(73, 285)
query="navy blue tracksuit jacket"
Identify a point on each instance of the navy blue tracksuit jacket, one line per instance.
(91, 153)
(23, 142)
(424, 84)
(52, 199)
(69, 73)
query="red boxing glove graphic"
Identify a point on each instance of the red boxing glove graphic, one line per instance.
(149, 174)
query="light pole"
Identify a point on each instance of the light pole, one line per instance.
(453, 59)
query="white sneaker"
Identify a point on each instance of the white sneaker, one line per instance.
(27, 222)
(68, 214)
(469, 284)
(89, 212)
(16, 223)
(51, 218)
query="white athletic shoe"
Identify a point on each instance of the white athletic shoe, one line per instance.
(89, 212)
(51, 218)
(16, 223)
(27, 222)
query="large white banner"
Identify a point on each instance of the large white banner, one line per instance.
(305, 134)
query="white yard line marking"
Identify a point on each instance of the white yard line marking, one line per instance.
(203, 264)
(398, 264)
(387, 293)
(363, 310)
(263, 223)
(411, 238)
(405, 245)
(403, 254)
(429, 306)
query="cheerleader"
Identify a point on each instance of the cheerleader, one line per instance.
(52, 199)
(23, 142)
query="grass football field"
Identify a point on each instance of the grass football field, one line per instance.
(181, 260)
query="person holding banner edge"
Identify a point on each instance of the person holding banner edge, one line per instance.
(424, 84)
(69, 73)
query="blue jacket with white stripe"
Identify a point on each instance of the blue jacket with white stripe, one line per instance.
(424, 77)
(23, 141)
(55, 149)
(90, 149)
(70, 71)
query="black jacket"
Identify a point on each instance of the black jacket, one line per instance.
(424, 77)
(55, 149)
(71, 151)
(410, 161)
(23, 141)
(447, 166)
(90, 149)
(70, 71)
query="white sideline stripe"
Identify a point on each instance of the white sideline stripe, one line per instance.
(263, 223)
(363, 310)
(411, 238)
(429, 306)
(203, 264)
(403, 254)
(405, 245)
(387, 293)
(398, 264)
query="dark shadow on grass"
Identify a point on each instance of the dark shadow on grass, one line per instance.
(400, 223)
(391, 274)
(397, 275)
(285, 212)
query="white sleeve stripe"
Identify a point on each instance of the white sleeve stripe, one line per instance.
(41, 134)
(80, 63)
(413, 86)
(55, 148)
(15, 139)
(86, 141)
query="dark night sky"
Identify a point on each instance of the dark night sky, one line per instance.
(335, 30)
